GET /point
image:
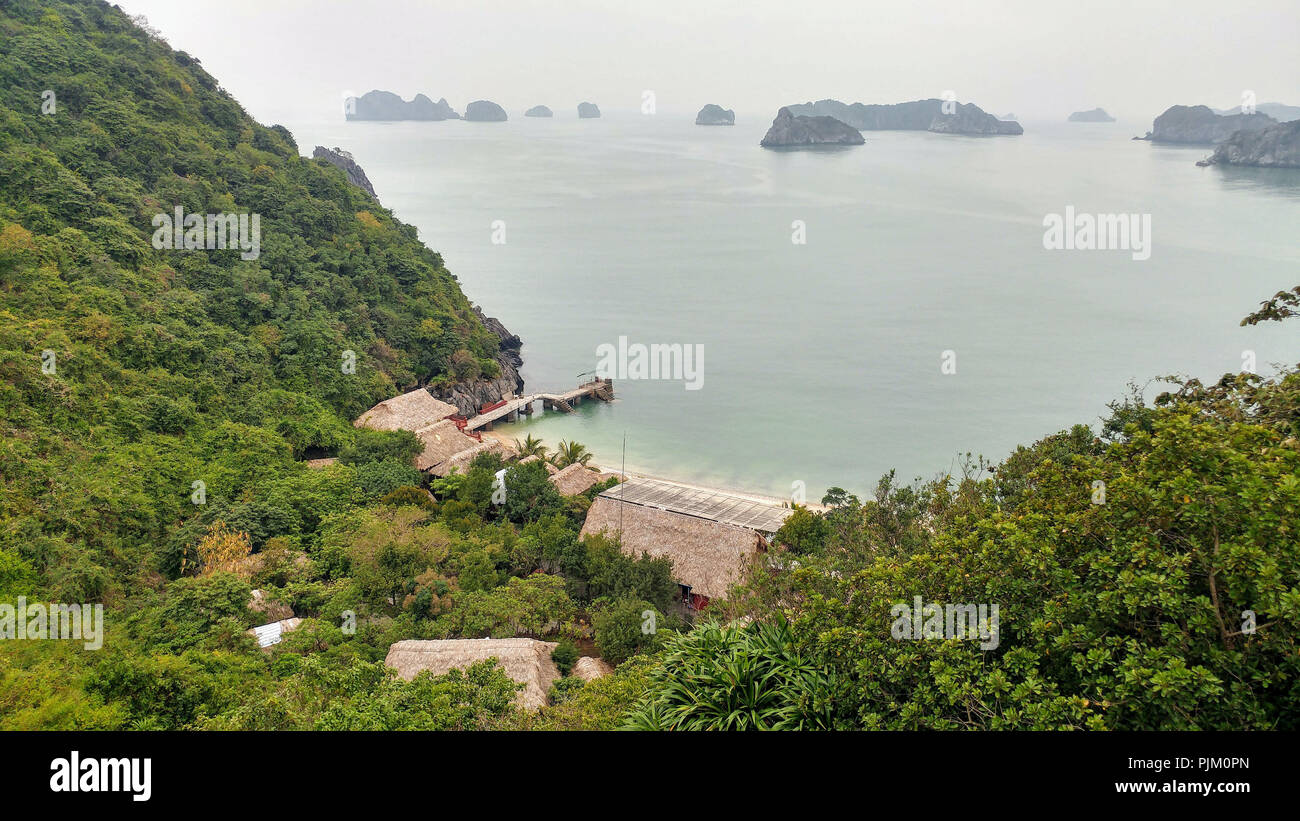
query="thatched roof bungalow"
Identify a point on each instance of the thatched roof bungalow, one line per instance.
(590, 668)
(550, 469)
(708, 557)
(441, 441)
(574, 479)
(410, 411)
(461, 459)
(527, 661)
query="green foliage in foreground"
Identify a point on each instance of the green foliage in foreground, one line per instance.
(736, 678)
(1132, 613)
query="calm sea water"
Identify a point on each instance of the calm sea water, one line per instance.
(822, 360)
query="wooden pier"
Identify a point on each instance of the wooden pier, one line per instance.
(510, 409)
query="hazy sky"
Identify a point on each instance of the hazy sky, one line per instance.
(1038, 58)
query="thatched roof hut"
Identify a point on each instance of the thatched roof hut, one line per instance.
(410, 411)
(460, 460)
(590, 668)
(550, 469)
(527, 661)
(442, 441)
(708, 556)
(574, 479)
(269, 634)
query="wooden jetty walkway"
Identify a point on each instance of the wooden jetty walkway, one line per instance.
(509, 409)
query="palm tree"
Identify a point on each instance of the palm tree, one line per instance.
(570, 453)
(530, 446)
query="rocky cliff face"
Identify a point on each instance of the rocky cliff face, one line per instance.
(468, 397)
(485, 111)
(918, 115)
(1198, 125)
(790, 131)
(1097, 115)
(588, 111)
(1277, 146)
(539, 111)
(715, 115)
(342, 159)
(385, 105)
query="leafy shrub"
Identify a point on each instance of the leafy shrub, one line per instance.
(565, 655)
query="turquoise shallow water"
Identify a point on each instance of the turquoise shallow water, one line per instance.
(822, 360)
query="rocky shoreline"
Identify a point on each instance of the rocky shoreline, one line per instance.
(343, 160)
(1274, 147)
(469, 396)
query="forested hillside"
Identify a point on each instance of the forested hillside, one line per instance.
(130, 374)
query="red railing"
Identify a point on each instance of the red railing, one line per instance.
(492, 407)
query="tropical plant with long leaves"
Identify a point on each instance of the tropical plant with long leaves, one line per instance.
(736, 678)
(570, 453)
(530, 446)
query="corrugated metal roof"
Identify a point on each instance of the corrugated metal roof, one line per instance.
(714, 505)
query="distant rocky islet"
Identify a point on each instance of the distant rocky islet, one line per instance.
(1252, 139)
(790, 130)
(485, 111)
(713, 114)
(938, 116)
(1096, 115)
(1199, 125)
(387, 106)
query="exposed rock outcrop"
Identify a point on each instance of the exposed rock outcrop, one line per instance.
(1097, 115)
(918, 115)
(588, 111)
(267, 608)
(1198, 125)
(790, 131)
(539, 111)
(342, 159)
(715, 115)
(385, 105)
(1277, 146)
(468, 397)
(485, 111)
